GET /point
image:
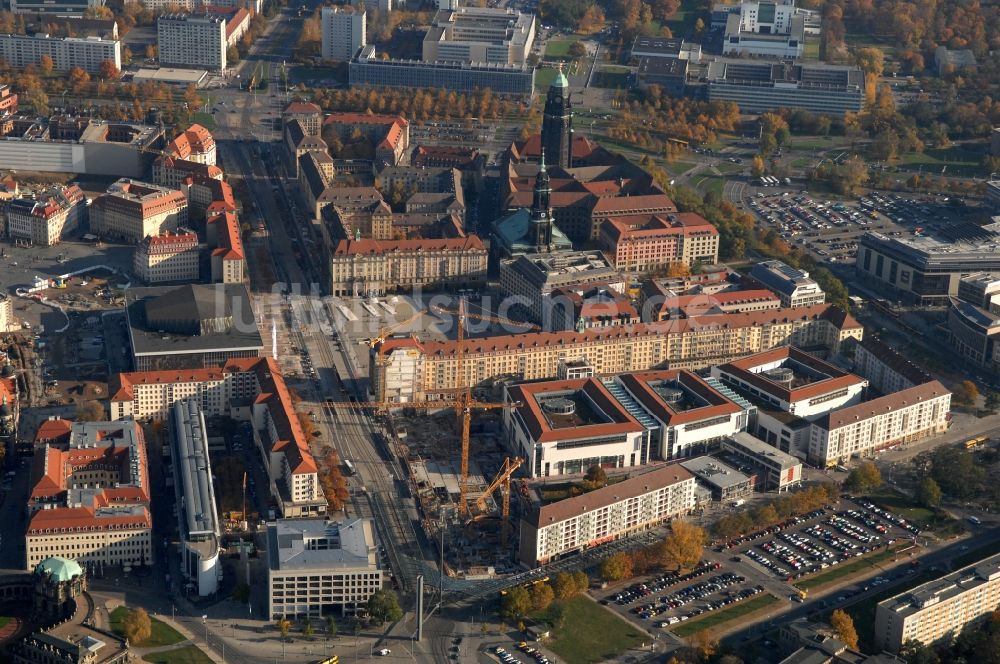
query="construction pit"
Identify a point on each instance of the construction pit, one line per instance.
(473, 541)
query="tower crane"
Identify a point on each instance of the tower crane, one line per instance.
(501, 481)
(376, 342)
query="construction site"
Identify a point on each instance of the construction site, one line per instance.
(461, 476)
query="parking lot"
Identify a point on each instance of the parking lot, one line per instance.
(767, 560)
(830, 229)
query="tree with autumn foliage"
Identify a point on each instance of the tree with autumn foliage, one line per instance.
(684, 546)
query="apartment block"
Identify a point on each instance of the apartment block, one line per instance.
(417, 370)
(90, 496)
(189, 40)
(941, 608)
(132, 210)
(344, 31)
(250, 389)
(46, 219)
(374, 267)
(638, 503)
(644, 242)
(168, 257)
(315, 565)
(66, 52)
(171, 172)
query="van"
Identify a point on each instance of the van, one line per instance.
(973, 520)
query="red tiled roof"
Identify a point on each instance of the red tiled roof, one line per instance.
(299, 107)
(83, 519)
(612, 204)
(882, 405)
(230, 244)
(53, 430)
(195, 140)
(638, 384)
(540, 427)
(481, 345)
(743, 369)
(236, 20)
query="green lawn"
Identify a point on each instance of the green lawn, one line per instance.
(904, 506)
(729, 168)
(163, 634)
(711, 183)
(589, 633)
(611, 77)
(716, 618)
(206, 120)
(4, 620)
(837, 572)
(678, 167)
(559, 49)
(185, 655)
(683, 21)
(952, 160)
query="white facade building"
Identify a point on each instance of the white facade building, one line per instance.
(168, 257)
(604, 515)
(314, 565)
(66, 52)
(344, 31)
(186, 40)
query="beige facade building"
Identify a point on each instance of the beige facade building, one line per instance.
(6, 312)
(47, 219)
(90, 497)
(168, 257)
(418, 370)
(132, 210)
(374, 267)
(940, 608)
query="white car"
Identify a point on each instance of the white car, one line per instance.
(384, 651)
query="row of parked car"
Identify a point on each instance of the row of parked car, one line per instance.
(888, 516)
(845, 527)
(686, 595)
(636, 592)
(714, 606)
(772, 530)
(509, 658)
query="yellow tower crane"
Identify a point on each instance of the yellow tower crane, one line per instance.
(501, 481)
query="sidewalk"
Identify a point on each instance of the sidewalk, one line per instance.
(110, 605)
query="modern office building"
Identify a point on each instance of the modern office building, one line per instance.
(192, 40)
(89, 497)
(193, 144)
(565, 426)
(638, 503)
(725, 482)
(940, 608)
(793, 286)
(760, 86)
(665, 48)
(774, 469)
(168, 257)
(131, 211)
(924, 270)
(480, 35)
(66, 52)
(974, 333)
(532, 284)
(368, 69)
(374, 267)
(250, 389)
(816, 411)
(194, 495)
(415, 370)
(343, 29)
(48, 218)
(191, 326)
(765, 29)
(316, 567)
(641, 243)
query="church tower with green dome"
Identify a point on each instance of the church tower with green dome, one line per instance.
(557, 122)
